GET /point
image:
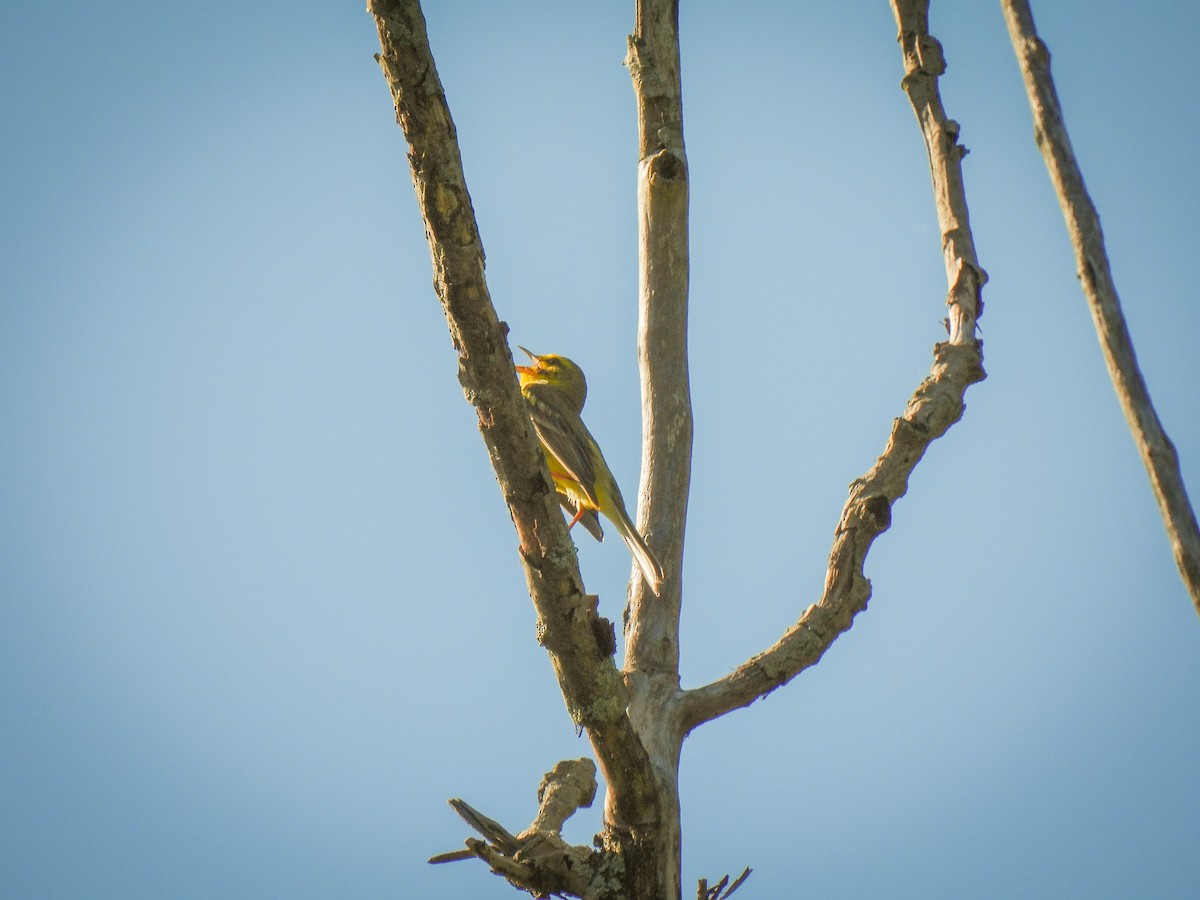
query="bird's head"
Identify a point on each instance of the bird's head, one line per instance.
(554, 371)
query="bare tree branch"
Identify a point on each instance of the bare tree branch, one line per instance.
(538, 859)
(567, 787)
(653, 61)
(1083, 225)
(936, 405)
(592, 687)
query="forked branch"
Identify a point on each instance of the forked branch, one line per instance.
(593, 689)
(1083, 225)
(538, 859)
(935, 406)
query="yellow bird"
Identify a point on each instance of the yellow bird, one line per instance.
(555, 389)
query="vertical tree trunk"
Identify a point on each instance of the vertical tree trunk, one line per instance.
(652, 634)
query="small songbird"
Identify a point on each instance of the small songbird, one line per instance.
(555, 389)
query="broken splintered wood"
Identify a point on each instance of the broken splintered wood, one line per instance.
(719, 890)
(537, 859)
(569, 786)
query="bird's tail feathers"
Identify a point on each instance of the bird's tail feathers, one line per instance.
(652, 569)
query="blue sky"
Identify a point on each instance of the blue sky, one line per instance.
(261, 610)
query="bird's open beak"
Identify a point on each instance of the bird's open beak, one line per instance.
(533, 356)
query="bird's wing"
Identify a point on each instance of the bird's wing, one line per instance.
(563, 433)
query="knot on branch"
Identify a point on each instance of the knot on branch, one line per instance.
(961, 364)
(951, 129)
(1037, 50)
(668, 166)
(605, 634)
(603, 630)
(924, 62)
(538, 860)
(927, 51)
(871, 512)
(587, 611)
(877, 513)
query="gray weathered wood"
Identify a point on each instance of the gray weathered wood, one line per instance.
(1083, 225)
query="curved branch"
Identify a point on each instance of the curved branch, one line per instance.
(1083, 225)
(935, 406)
(594, 691)
(538, 860)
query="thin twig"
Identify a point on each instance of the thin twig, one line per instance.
(722, 890)
(1083, 225)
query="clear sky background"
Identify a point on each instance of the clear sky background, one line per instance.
(261, 608)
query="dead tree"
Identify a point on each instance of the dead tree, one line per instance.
(638, 715)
